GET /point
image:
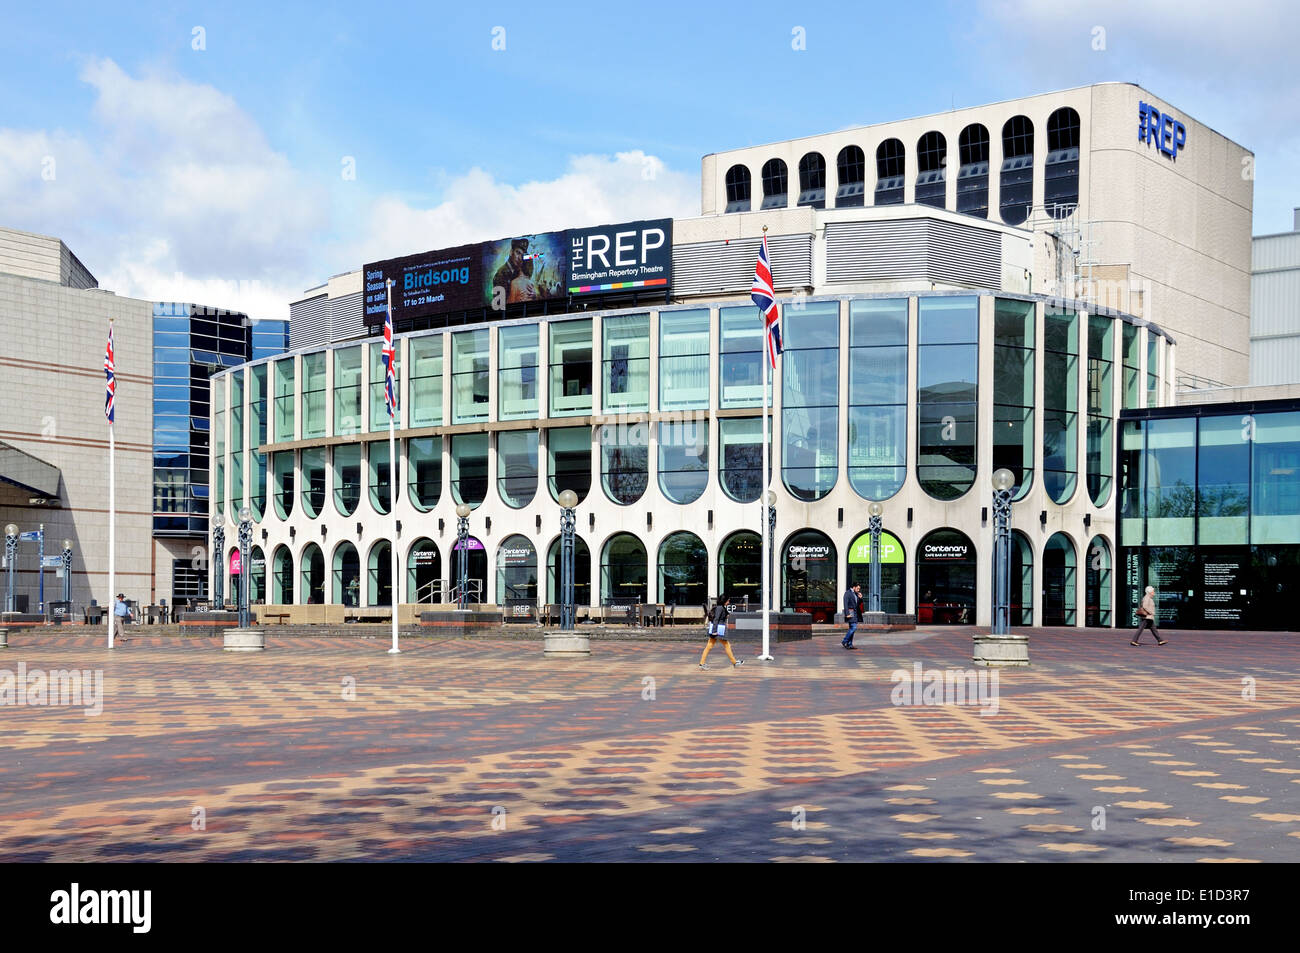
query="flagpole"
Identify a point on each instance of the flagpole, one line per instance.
(112, 506)
(392, 463)
(762, 500)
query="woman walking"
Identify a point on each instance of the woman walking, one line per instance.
(718, 630)
(1147, 613)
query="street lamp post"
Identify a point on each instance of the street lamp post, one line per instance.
(462, 545)
(1003, 483)
(245, 541)
(218, 568)
(11, 556)
(876, 512)
(67, 572)
(568, 500)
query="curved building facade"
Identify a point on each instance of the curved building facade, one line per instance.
(651, 414)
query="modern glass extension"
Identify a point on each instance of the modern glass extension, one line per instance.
(652, 417)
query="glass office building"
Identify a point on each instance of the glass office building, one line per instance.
(1209, 514)
(652, 416)
(190, 344)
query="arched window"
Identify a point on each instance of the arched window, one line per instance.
(623, 569)
(877, 396)
(516, 572)
(282, 576)
(893, 570)
(1022, 580)
(347, 575)
(810, 403)
(1097, 600)
(683, 570)
(568, 452)
(282, 491)
(378, 476)
(313, 481)
(812, 180)
(581, 572)
(776, 189)
(624, 461)
(424, 572)
(808, 570)
(379, 589)
(256, 576)
(740, 457)
(312, 588)
(424, 470)
(945, 579)
(1060, 403)
(973, 173)
(931, 168)
(1101, 407)
(1061, 171)
(890, 169)
(475, 570)
(738, 199)
(1059, 593)
(1017, 169)
(851, 165)
(947, 369)
(740, 567)
(347, 477)
(469, 468)
(1013, 390)
(517, 467)
(684, 459)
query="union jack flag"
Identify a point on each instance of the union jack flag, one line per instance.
(390, 361)
(765, 298)
(110, 378)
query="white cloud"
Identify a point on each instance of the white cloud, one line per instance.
(174, 192)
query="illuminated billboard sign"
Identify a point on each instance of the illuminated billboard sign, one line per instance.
(544, 266)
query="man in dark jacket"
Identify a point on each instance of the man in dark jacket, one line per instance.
(852, 600)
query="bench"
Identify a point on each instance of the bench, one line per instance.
(282, 616)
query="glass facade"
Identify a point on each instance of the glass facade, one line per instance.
(1059, 581)
(347, 390)
(684, 459)
(347, 477)
(424, 471)
(257, 422)
(624, 461)
(379, 476)
(1060, 403)
(313, 395)
(683, 570)
(1130, 357)
(623, 574)
(425, 365)
(568, 451)
(1210, 515)
(517, 360)
(740, 567)
(1101, 407)
(517, 467)
(570, 381)
(284, 400)
(684, 360)
(947, 369)
(808, 569)
(1013, 391)
(740, 362)
(282, 489)
(313, 481)
(470, 384)
(625, 340)
(469, 468)
(810, 403)
(740, 457)
(878, 388)
(236, 437)
(516, 571)
(378, 402)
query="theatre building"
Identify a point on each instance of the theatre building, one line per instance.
(936, 329)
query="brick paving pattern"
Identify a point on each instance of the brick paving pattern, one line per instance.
(480, 749)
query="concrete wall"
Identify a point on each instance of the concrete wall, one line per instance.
(52, 406)
(1275, 309)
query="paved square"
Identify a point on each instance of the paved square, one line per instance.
(330, 749)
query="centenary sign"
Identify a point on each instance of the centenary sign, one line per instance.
(1169, 134)
(543, 266)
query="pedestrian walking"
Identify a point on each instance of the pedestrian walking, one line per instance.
(121, 616)
(1147, 615)
(718, 631)
(852, 603)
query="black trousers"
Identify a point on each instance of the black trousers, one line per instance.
(1142, 626)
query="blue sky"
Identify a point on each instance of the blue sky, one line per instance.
(216, 172)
